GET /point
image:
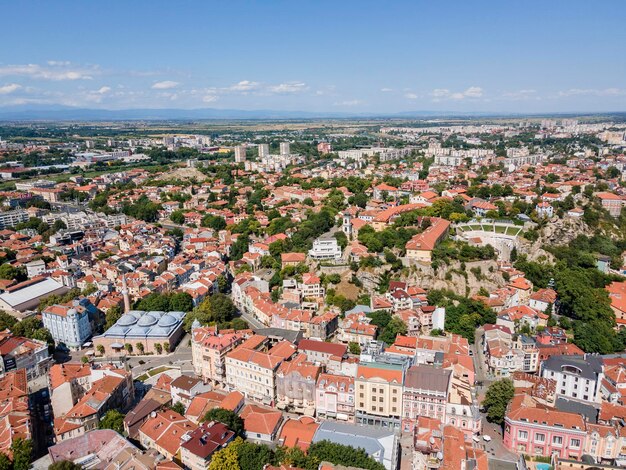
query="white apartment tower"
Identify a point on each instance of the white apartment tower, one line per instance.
(240, 154)
(284, 148)
(264, 150)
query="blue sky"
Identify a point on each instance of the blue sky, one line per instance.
(356, 56)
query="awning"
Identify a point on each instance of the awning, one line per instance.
(117, 345)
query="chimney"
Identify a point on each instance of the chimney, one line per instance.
(125, 294)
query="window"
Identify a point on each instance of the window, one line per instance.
(574, 443)
(540, 438)
(522, 435)
(557, 440)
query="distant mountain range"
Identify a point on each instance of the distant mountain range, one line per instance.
(69, 113)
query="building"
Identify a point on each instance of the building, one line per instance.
(420, 247)
(261, 424)
(295, 385)
(26, 295)
(611, 202)
(379, 394)
(324, 148)
(334, 397)
(23, 353)
(185, 387)
(426, 390)
(208, 352)
(93, 450)
(545, 432)
(577, 377)
(10, 219)
(164, 431)
(321, 352)
(68, 324)
(264, 150)
(252, 371)
(240, 154)
(381, 444)
(199, 445)
(325, 248)
(284, 148)
(139, 332)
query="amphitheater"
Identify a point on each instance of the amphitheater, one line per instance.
(501, 234)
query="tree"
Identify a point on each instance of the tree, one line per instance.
(227, 458)
(179, 408)
(354, 348)
(114, 420)
(100, 349)
(254, 456)
(6, 464)
(231, 419)
(218, 308)
(166, 347)
(63, 465)
(129, 348)
(395, 327)
(338, 454)
(22, 453)
(178, 217)
(6, 321)
(158, 348)
(497, 398)
(139, 347)
(113, 315)
(181, 302)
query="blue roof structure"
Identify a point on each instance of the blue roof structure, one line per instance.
(139, 324)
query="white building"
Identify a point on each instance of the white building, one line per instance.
(577, 377)
(264, 150)
(284, 148)
(325, 248)
(240, 154)
(67, 325)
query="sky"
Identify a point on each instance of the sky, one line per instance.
(316, 56)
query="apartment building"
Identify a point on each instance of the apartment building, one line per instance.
(251, 369)
(200, 444)
(334, 397)
(577, 377)
(378, 392)
(325, 248)
(295, 385)
(67, 324)
(208, 352)
(164, 431)
(426, 390)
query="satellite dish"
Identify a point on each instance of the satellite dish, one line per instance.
(440, 455)
(432, 440)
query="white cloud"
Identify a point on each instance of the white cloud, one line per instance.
(411, 96)
(59, 63)
(439, 94)
(592, 92)
(521, 95)
(244, 86)
(164, 85)
(58, 71)
(9, 88)
(348, 103)
(289, 87)
(386, 90)
(210, 98)
(104, 90)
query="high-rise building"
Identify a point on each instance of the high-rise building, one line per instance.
(240, 154)
(284, 148)
(264, 150)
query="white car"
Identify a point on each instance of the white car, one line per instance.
(487, 438)
(476, 438)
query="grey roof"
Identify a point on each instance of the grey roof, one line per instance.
(427, 378)
(289, 335)
(589, 365)
(379, 443)
(32, 292)
(583, 409)
(139, 324)
(360, 309)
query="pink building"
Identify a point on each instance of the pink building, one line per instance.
(334, 397)
(539, 431)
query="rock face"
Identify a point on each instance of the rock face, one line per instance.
(563, 231)
(466, 281)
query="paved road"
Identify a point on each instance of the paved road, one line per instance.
(181, 357)
(253, 322)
